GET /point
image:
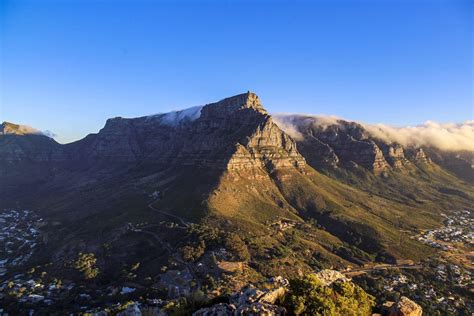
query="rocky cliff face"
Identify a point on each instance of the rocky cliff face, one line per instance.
(234, 133)
(460, 163)
(405, 307)
(418, 155)
(345, 144)
(20, 143)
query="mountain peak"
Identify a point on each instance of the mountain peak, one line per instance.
(8, 128)
(244, 100)
(229, 106)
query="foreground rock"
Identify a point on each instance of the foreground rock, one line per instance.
(327, 277)
(251, 300)
(405, 307)
(220, 309)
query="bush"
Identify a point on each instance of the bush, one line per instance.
(237, 247)
(309, 296)
(192, 253)
(85, 264)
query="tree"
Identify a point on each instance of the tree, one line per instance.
(237, 247)
(192, 253)
(85, 264)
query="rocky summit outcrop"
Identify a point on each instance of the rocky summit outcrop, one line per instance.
(394, 155)
(337, 143)
(254, 309)
(251, 300)
(221, 309)
(418, 155)
(405, 307)
(328, 277)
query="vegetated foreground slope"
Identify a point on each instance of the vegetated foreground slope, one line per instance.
(228, 177)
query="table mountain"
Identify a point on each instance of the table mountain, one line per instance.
(227, 171)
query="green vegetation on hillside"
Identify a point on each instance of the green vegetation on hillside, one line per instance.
(309, 296)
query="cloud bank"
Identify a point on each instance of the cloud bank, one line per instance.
(290, 123)
(444, 136)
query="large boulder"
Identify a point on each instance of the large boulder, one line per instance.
(251, 300)
(405, 307)
(260, 309)
(328, 277)
(221, 309)
(250, 293)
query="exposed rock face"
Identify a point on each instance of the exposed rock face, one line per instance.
(405, 307)
(395, 155)
(343, 143)
(418, 155)
(327, 277)
(221, 309)
(250, 294)
(234, 133)
(251, 301)
(318, 153)
(254, 309)
(339, 143)
(261, 309)
(460, 163)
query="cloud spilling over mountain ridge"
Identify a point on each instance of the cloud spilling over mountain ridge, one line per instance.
(7, 128)
(443, 136)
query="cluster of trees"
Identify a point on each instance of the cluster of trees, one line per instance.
(85, 263)
(192, 253)
(237, 247)
(206, 237)
(309, 296)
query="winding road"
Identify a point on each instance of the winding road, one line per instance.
(359, 271)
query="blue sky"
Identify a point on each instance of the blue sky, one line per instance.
(67, 66)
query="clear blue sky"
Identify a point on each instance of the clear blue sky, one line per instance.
(67, 66)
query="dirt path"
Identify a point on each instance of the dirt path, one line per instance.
(184, 224)
(181, 220)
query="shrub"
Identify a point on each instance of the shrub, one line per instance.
(85, 264)
(237, 247)
(309, 296)
(192, 253)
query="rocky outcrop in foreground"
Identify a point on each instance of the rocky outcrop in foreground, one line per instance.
(328, 277)
(405, 307)
(251, 300)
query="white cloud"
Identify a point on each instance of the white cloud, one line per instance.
(290, 122)
(444, 136)
(174, 118)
